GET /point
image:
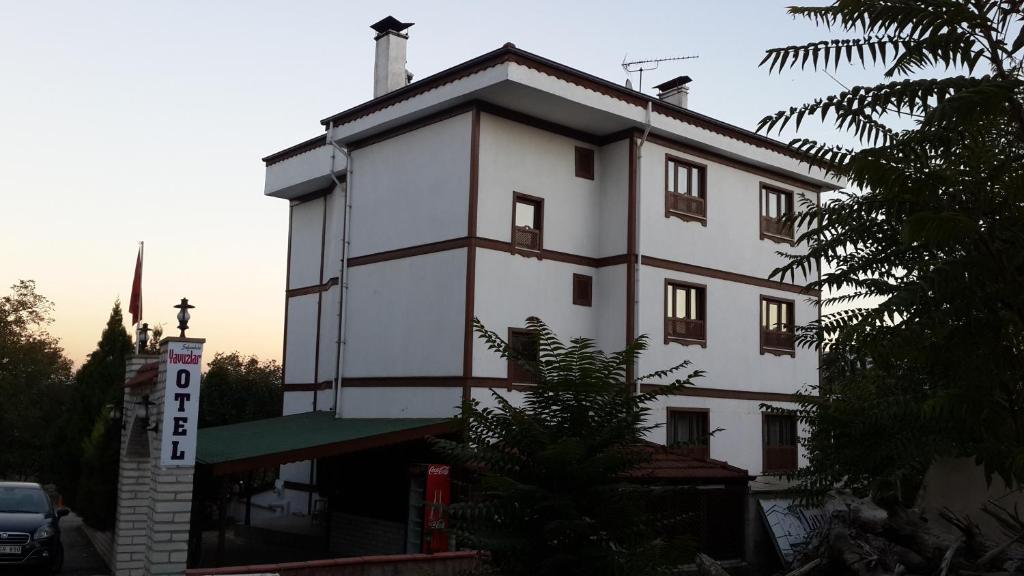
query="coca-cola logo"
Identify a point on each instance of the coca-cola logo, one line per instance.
(438, 470)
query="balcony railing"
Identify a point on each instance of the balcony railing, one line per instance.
(776, 227)
(686, 204)
(526, 238)
(684, 328)
(780, 458)
(778, 339)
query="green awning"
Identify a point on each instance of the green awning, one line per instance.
(311, 435)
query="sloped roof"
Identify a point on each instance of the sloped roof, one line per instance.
(672, 464)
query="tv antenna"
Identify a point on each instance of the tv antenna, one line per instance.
(643, 65)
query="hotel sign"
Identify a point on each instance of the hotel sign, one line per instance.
(181, 403)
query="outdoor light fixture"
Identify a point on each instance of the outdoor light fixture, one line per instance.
(142, 338)
(183, 315)
(145, 416)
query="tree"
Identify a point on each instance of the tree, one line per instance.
(553, 496)
(239, 388)
(925, 261)
(33, 376)
(88, 437)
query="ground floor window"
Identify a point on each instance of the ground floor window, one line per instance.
(688, 431)
(780, 443)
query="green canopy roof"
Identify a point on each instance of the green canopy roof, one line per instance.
(275, 441)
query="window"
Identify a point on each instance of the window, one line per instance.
(584, 163)
(777, 335)
(776, 204)
(685, 187)
(780, 443)
(684, 313)
(688, 431)
(582, 290)
(523, 344)
(527, 223)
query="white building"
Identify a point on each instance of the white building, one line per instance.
(511, 186)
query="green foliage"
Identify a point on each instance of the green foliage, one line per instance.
(97, 485)
(924, 264)
(553, 496)
(33, 383)
(238, 389)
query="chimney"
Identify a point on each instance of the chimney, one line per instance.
(675, 91)
(389, 71)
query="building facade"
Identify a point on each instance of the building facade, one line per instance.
(512, 186)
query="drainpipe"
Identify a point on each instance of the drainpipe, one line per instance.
(639, 236)
(345, 241)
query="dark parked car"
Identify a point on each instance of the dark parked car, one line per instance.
(29, 528)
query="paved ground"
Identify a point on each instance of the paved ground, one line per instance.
(80, 559)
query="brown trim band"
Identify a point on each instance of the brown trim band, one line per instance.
(314, 387)
(471, 229)
(631, 251)
(432, 382)
(291, 151)
(728, 276)
(545, 125)
(334, 449)
(411, 126)
(727, 394)
(314, 289)
(399, 253)
(299, 486)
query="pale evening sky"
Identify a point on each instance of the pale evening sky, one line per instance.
(123, 121)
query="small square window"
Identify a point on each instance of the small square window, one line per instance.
(584, 163)
(685, 189)
(688, 431)
(777, 330)
(780, 443)
(685, 309)
(523, 368)
(582, 290)
(527, 223)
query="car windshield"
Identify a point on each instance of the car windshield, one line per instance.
(23, 499)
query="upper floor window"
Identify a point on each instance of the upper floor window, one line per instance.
(776, 204)
(688, 431)
(584, 163)
(522, 362)
(777, 334)
(685, 189)
(780, 443)
(527, 223)
(684, 313)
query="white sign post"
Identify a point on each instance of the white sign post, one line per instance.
(181, 403)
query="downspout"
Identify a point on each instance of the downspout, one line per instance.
(639, 236)
(345, 241)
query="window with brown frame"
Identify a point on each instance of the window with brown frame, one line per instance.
(584, 163)
(582, 290)
(685, 189)
(776, 204)
(522, 343)
(780, 443)
(777, 333)
(688, 432)
(685, 308)
(527, 223)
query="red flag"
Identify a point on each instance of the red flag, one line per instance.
(135, 305)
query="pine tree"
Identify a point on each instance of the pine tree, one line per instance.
(553, 496)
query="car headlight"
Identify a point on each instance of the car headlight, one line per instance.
(44, 532)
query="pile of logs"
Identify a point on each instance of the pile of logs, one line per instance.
(862, 539)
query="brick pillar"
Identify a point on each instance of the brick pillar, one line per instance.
(133, 482)
(154, 501)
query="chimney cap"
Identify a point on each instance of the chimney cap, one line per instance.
(676, 82)
(390, 24)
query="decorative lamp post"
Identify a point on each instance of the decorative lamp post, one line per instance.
(183, 315)
(142, 338)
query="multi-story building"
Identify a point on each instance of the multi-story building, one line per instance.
(512, 186)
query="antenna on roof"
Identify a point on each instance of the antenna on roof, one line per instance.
(643, 65)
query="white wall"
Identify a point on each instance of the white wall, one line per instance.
(613, 180)
(731, 240)
(407, 317)
(412, 189)
(307, 230)
(732, 358)
(610, 307)
(515, 157)
(510, 288)
(401, 402)
(300, 355)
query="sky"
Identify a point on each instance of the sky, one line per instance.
(129, 121)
